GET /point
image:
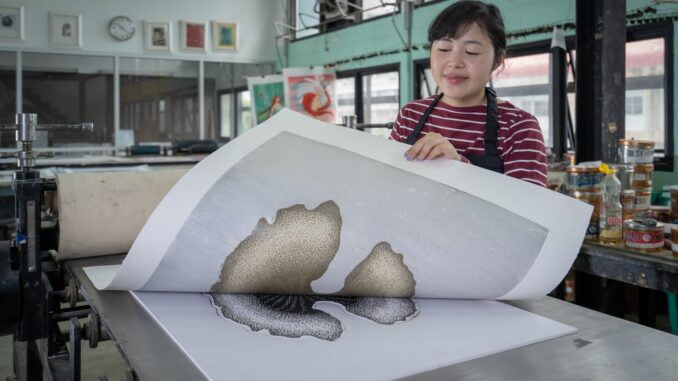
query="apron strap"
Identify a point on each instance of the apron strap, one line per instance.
(422, 121)
(492, 123)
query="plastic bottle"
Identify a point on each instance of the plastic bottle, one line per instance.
(611, 222)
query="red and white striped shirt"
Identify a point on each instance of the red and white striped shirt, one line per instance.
(520, 141)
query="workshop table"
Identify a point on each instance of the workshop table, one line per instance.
(605, 348)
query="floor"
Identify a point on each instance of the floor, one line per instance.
(101, 361)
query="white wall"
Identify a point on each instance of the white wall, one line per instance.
(255, 18)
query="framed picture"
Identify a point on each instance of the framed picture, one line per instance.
(193, 36)
(224, 35)
(157, 36)
(11, 22)
(65, 30)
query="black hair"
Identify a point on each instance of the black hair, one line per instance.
(455, 20)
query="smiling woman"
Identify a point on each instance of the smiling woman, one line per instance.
(466, 121)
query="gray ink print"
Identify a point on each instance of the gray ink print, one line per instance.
(265, 283)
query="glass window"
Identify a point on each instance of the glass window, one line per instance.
(226, 107)
(7, 97)
(645, 91)
(427, 85)
(159, 99)
(69, 89)
(380, 100)
(345, 94)
(244, 111)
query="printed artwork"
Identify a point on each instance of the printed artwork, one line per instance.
(268, 96)
(224, 35)
(311, 92)
(285, 256)
(157, 36)
(11, 27)
(65, 30)
(193, 36)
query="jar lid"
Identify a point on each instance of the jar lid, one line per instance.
(647, 224)
(628, 192)
(649, 166)
(580, 194)
(580, 169)
(636, 143)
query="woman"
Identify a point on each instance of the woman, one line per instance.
(465, 121)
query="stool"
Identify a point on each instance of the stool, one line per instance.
(672, 302)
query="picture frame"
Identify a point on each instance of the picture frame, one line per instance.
(11, 23)
(193, 36)
(224, 36)
(157, 37)
(65, 30)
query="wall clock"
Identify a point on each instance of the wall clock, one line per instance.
(121, 28)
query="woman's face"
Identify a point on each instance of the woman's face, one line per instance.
(462, 67)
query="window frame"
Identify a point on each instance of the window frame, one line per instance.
(358, 75)
(235, 116)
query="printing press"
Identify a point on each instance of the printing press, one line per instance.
(39, 290)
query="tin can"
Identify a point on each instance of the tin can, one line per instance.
(660, 213)
(626, 198)
(674, 241)
(595, 199)
(580, 178)
(674, 203)
(642, 176)
(642, 200)
(644, 237)
(624, 173)
(636, 151)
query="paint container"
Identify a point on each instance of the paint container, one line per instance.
(674, 241)
(569, 159)
(636, 151)
(642, 176)
(595, 199)
(641, 202)
(624, 173)
(626, 198)
(660, 213)
(674, 203)
(580, 178)
(646, 235)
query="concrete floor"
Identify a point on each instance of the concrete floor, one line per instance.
(101, 361)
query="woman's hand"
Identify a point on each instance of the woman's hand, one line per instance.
(432, 146)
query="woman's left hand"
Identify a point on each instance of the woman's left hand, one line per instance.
(432, 146)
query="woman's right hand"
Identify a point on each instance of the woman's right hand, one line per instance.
(432, 146)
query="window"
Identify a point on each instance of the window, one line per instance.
(243, 111)
(372, 95)
(7, 97)
(634, 105)
(69, 89)
(159, 99)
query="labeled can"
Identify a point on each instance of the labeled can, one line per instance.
(595, 199)
(642, 176)
(660, 213)
(626, 198)
(674, 203)
(674, 241)
(648, 238)
(634, 151)
(642, 200)
(624, 173)
(580, 178)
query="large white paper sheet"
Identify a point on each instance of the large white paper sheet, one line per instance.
(445, 332)
(463, 232)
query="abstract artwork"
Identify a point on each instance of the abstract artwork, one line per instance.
(224, 35)
(268, 96)
(311, 91)
(193, 36)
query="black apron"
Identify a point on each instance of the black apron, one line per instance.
(490, 160)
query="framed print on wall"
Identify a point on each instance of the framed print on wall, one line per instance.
(224, 35)
(193, 36)
(65, 30)
(157, 36)
(11, 22)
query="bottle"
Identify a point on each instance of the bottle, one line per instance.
(611, 209)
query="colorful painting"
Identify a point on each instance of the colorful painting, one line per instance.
(193, 36)
(268, 96)
(224, 36)
(311, 92)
